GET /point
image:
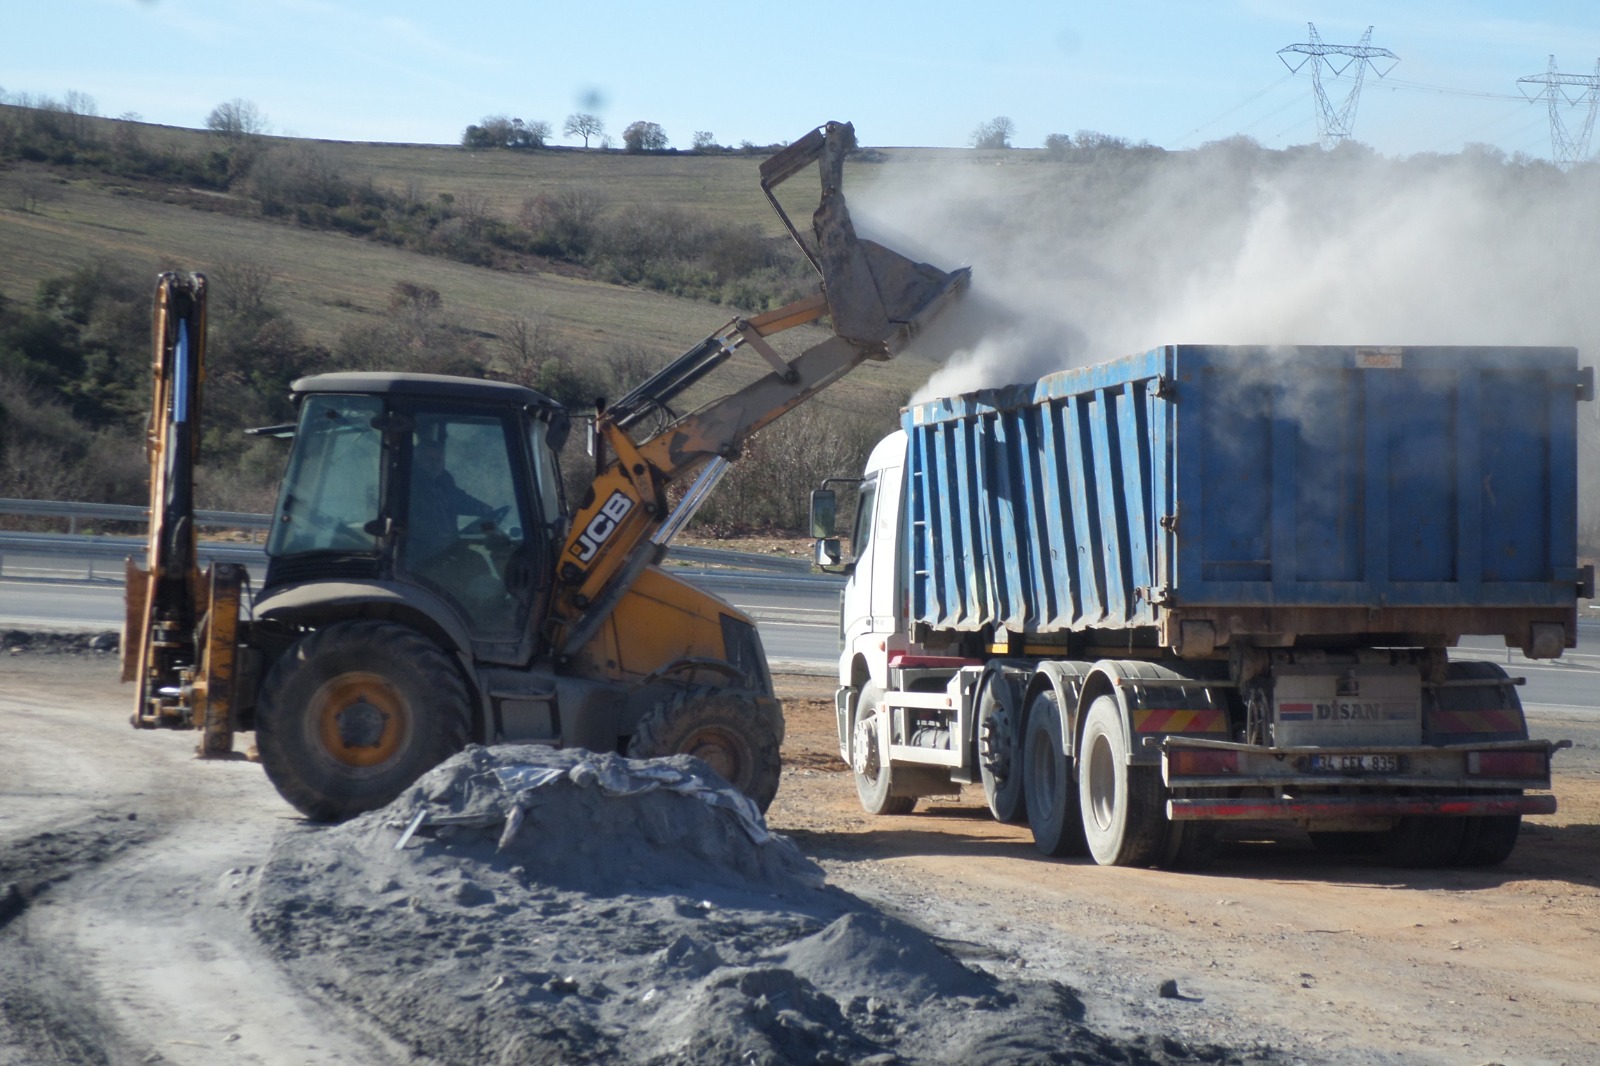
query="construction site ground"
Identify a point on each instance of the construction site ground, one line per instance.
(126, 867)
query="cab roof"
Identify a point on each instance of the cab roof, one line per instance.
(437, 386)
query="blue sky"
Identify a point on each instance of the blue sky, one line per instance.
(1173, 72)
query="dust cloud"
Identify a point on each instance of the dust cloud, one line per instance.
(1233, 244)
(1117, 251)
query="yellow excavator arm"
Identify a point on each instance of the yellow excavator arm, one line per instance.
(875, 300)
(179, 627)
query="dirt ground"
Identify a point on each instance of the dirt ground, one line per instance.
(116, 848)
(1342, 960)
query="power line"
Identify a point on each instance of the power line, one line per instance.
(1247, 101)
(1334, 123)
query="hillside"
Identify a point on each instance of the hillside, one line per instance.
(578, 271)
(559, 321)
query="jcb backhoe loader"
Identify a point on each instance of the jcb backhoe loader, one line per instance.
(427, 587)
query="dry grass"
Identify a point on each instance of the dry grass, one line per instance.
(328, 282)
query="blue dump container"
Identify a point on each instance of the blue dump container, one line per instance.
(1278, 495)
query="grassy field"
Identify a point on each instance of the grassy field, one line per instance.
(329, 282)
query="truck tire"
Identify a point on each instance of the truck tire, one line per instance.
(1346, 842)
(1124, 816)
(1487, 840)
(1191, 846)
(1423, 842)
(1000, 755)
(1051, 794)
(724, 729)
(871, 769)
(354, 713)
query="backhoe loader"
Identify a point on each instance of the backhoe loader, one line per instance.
(427, 586)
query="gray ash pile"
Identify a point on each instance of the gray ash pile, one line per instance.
(561, 906)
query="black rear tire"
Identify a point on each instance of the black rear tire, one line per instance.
(726, 730)
(352, 714)
(1124, 806)
(1488, 839)
(1424, 842)
(1052, 795)
(1000, 758)
(1346, 842)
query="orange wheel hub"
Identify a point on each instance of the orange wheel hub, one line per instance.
(362, 719)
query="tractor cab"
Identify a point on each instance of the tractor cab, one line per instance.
(448, 487)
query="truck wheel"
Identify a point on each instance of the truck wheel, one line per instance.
(1424, 841)
(353, 714)
(1191, 845)
(1000, 756)
(871, 766)
(1051, 794)
(1345, 841)
(1487, 840)
(724, 729)
(1123, 809)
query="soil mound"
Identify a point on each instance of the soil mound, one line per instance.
(523, 905)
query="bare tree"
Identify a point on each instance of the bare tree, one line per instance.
(242, 287)
(582, 124)
(996, 133)
(237, 119)
(529, 134)
(704, 141)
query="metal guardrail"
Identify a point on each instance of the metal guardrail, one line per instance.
(105, 547)
(75, 512)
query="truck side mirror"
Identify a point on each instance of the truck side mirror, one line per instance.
(824, 517)
(828, 551)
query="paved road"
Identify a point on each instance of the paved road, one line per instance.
(798, 618)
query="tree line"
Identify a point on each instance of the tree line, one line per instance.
(504, 131)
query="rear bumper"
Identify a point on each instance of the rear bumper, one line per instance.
(1215, 780)
(1259, 808)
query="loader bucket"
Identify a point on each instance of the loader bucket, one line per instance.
(877, 298)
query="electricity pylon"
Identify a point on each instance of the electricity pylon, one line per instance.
(1557, 88)
(1333, 123)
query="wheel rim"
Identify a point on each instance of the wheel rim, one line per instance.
(997, 744)
(718, 748)
(361, 719)
(865, 761)
(1102, 773)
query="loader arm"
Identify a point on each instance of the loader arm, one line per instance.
(875, 300)
(179, 625)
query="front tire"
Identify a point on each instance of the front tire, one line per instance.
(723, 729)
(1124, 816)
(874, 780)
(354, 713)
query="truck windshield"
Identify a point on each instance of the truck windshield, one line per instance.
(331, 490)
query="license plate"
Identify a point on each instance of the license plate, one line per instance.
(1369, 764)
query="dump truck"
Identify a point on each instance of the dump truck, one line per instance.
(427, 583)
(1140, 599)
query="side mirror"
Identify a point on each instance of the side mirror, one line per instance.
(828, 552)
(824, 516)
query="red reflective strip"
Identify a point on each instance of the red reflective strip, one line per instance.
(1204, 763)
(912, 662)
(1485, 721)
(1179, 720)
